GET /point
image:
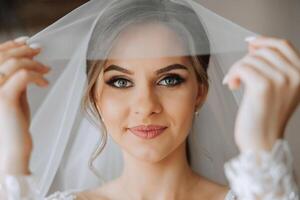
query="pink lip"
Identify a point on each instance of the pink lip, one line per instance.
(147, 132)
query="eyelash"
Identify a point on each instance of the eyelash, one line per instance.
(176, 77)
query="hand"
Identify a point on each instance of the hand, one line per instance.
(16, 62)
(271, 75)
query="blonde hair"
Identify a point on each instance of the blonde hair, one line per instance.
(122, 15)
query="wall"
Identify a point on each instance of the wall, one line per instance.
(280, 18)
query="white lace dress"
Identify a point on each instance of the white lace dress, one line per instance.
(260, 176)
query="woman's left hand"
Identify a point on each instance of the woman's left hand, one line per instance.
(271, 75)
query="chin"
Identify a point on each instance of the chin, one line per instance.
(153, 150)
(151, 153)
(147, 155)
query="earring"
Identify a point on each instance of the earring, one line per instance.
(197, 113)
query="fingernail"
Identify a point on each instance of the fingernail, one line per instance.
(21, 39)
(225, 80)
(35, 46)
(250, 38)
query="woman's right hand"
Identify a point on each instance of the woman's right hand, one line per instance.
(19, 69)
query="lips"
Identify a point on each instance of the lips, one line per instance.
(147, 132)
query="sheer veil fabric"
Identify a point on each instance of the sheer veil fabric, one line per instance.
(64, 137)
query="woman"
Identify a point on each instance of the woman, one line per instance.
(156, 162)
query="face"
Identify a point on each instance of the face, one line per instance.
(138, 90)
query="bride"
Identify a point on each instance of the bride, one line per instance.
(146, 88)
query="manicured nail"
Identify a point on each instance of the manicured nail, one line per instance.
(225, 80)
(35, 46)
(250, 38)
(21, 39)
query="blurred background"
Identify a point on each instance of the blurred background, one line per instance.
(27, 17)
(280, 18)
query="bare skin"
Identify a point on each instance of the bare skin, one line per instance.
(272, 65)
(156, 168)
(113, 191)
(193, 186)
(15, 141)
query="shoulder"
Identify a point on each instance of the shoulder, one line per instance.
(107, 191)
(91, 195)
(77, 195)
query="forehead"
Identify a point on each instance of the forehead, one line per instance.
(150, 40)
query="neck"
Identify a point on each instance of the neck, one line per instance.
(170, 178)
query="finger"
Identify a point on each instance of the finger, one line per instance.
(23, 51)
(20, 80)
(18, 52)
(284, 46)
(11, 66)
(251, 48)
(266, 69)
(13, 43)
(280, 62)
(245, 73)
(9, 45)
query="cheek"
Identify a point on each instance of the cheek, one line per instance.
(113, 109)
(180, 106)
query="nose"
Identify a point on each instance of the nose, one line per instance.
(146, 101)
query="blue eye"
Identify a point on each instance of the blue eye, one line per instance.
(122, 83)
(118, 82)
(173, 80)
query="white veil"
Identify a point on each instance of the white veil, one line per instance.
(64, 139)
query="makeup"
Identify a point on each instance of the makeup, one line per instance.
(148, 132)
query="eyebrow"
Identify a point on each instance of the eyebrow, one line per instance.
(160, 71)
